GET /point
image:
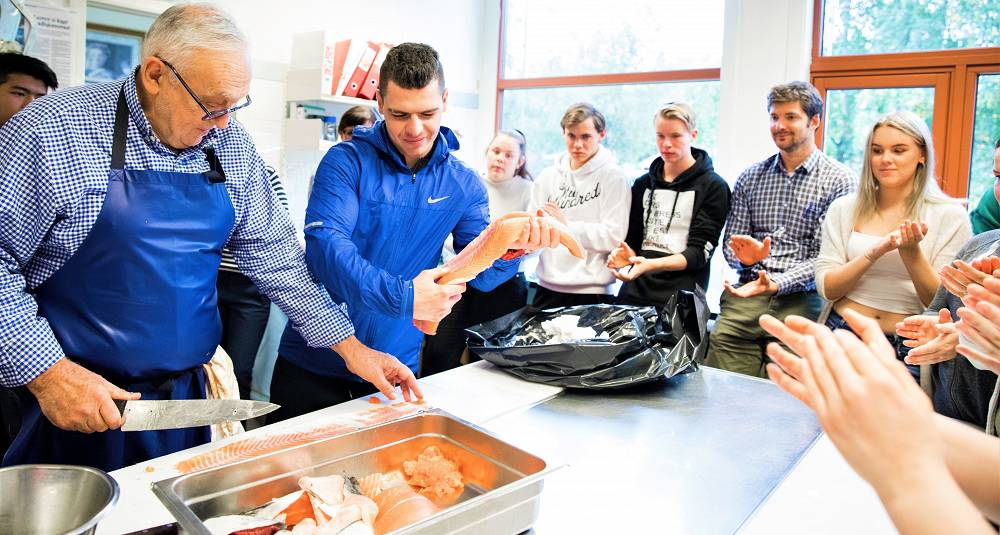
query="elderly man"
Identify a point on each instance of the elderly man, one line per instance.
(118, 199)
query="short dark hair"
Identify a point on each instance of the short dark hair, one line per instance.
(997, 145)
(13, 63)
(802, 92)
(355, 116)
(411, 66)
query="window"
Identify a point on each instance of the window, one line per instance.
(852, 27)
(623, 61)
(937, 58)
(572, 37)
(986, 130)
(628, 108)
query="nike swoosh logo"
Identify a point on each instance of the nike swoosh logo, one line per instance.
(432, 200)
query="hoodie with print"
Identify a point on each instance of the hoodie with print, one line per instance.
(683, 217)
(595, 201)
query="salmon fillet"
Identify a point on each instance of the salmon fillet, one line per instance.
(490, 245)
(255, 447)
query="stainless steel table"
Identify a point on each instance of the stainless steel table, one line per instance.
(696, 454)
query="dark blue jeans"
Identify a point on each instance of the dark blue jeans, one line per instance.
(834, 321)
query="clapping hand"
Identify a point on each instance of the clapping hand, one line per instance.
(980, 323)
(866, 401)
(937, 340)
(748, 250)
(911, 233)
(762, 286)
(956, 278)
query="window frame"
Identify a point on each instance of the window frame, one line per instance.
(953, 117)
(504, 84)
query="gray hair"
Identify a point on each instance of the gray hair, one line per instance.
(183, 29)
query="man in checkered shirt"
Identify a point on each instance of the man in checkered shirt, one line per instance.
(773, 231)
(115, 202)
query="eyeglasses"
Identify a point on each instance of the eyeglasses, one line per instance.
(209, 115)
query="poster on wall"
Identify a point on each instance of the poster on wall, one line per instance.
(52, 41)
(110, 53)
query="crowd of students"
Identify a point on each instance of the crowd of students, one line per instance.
(876, 282)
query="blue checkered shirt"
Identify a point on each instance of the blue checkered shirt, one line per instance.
(767, 201)
(57, 152)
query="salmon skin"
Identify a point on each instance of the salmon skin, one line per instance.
(490, 245)
(250, 448)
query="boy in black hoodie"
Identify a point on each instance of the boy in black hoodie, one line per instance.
(678, 210)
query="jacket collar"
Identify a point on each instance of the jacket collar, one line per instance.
(378, 137)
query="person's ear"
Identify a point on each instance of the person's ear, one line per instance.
(694, 135)
(601, 134)
(152, 73)
(814, 122)
(444, 101)
(381, 104)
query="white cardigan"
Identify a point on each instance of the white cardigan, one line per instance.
(887, 285)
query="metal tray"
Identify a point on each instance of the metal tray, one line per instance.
(502, 483)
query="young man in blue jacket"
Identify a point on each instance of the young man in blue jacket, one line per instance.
(381, 207)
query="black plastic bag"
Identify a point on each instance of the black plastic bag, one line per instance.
(641, 343)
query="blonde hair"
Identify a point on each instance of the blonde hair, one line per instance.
(185, 29)
(680, 111)
(925, 186)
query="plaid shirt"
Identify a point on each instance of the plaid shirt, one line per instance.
(789, 209)
(55, 158)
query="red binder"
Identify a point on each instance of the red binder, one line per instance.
(361, 71)
(371, 82)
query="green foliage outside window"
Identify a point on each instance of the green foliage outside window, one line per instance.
(852, 27)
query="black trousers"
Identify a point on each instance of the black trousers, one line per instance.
(244, 312)
(546, 298)
(300, 391)
(443, 351)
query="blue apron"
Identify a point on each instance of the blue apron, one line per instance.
(136, 304)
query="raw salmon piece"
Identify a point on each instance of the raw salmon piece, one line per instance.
(490, 245)
(255, 447)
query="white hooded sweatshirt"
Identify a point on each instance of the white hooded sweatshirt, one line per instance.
(595, 200)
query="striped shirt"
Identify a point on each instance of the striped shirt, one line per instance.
(767, 201)
(228, 262)
(55, 157)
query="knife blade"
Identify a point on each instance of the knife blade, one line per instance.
(146, 415)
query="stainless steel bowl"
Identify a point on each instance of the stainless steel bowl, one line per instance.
(49, 498)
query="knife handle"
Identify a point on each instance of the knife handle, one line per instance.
(120, 403)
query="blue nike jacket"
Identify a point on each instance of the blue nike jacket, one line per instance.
(372, 225)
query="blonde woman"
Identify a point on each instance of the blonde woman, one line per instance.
(883, 246)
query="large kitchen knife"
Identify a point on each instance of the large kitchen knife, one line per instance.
(145, 415)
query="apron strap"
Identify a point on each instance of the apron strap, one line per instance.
(215, 173)
(121, 132)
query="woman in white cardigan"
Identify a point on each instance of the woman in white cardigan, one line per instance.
(883, 246)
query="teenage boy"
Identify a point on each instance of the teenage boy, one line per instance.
(585, 190)
(22, 80)
(381, 208)
(678, 209)
(773, 231)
